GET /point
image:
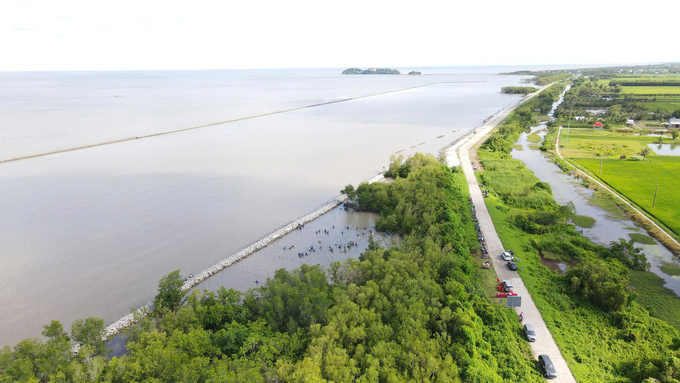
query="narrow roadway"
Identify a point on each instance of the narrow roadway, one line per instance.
(557, 149)
(545, 344)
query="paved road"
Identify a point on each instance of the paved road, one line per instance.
(545, 344)
(557, 149)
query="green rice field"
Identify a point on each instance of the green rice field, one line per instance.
(668, 106)
(650, 89)
(637, 180)
(584, 143)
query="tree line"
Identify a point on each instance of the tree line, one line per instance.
(644, 82)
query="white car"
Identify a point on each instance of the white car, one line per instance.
(506, 256)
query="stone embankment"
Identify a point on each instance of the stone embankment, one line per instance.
(130, 319)
(121, 140)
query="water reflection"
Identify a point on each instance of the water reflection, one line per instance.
(608, 227)
(665, 149)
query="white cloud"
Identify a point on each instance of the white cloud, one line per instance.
(90, 35)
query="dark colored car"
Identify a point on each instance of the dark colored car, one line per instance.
(512, 266)
(546, 366)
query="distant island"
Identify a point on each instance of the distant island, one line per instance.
(370, 71)
(414, 73)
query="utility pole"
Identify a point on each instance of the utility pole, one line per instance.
(569, 122)
(655, 191)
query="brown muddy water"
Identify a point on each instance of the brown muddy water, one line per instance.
(90, 232)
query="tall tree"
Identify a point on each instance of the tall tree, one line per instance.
(170, 294)
(90, 332)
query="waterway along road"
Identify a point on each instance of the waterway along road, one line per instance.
(557, 150)
(544, 344)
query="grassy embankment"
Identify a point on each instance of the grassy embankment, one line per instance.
(621, 343)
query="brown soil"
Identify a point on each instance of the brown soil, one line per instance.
(554, 265)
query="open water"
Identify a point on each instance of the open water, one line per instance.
(90, 232)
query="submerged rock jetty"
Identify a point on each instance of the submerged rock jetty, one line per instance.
(130, 319)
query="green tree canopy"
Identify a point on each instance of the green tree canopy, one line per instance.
(170, 294)
(90, 332)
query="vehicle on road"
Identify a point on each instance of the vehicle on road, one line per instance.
(546, 366)
(512, 266)
(529, 332)
(507, 286)
(506, 256)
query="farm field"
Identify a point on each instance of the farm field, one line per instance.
(589, 143)
(650, 89)
(670, 105)
(637, 180)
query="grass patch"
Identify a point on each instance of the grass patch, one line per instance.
(534, 137)
(607, 203)
(670, 268)
(641, 238)
(550, 256)
(637, 180)
(583, 221)
(660, 301)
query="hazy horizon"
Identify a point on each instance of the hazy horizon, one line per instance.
(77, 35)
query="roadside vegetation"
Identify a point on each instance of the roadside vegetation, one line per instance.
(417, 312)
(602, 326)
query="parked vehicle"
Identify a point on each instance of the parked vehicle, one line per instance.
(507, 286)
(506, 256)
(546, 366)
(512, 266)
(529, 332)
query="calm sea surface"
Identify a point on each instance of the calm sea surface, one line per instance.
(90, 232)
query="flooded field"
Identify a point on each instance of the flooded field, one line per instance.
(609, 225)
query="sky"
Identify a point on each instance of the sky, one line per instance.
(197, 34)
